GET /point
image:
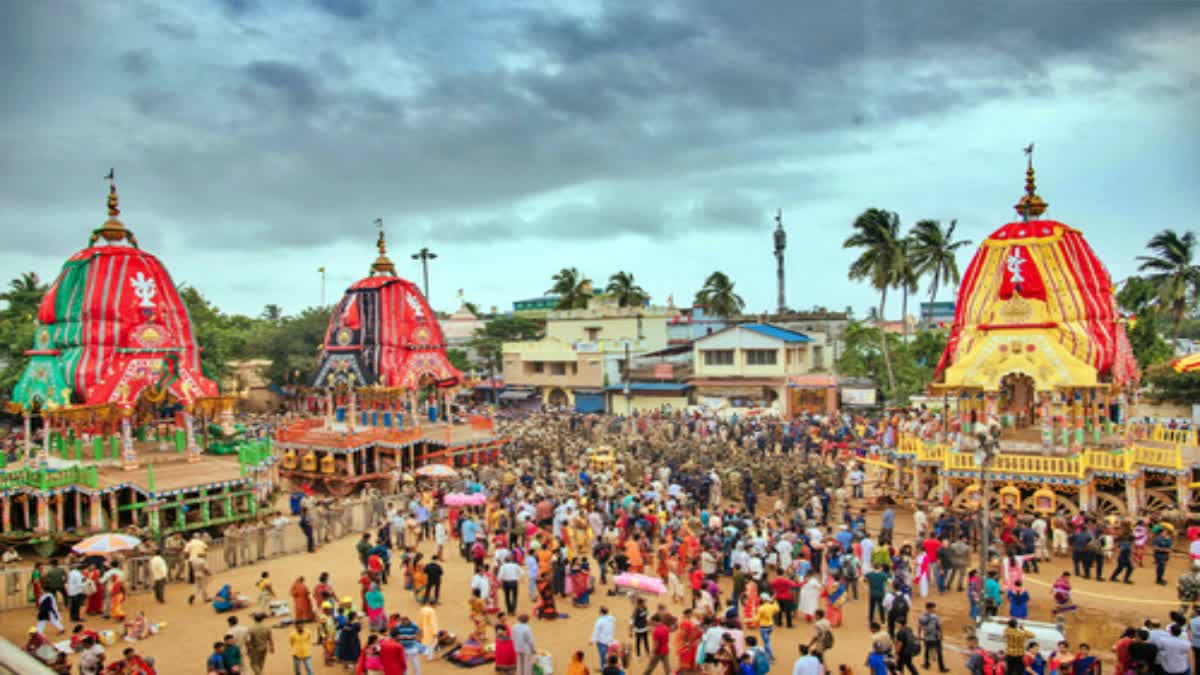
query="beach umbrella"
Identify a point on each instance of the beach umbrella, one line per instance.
(1187, 364)
(103, 544)
(437, 471)
(641, 583)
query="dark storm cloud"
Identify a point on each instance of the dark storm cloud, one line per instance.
(137, 62)
(295, 85)
(658, 119)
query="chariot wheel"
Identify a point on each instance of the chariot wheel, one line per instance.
(338, 488)
(1110, 505)
(1159, 500)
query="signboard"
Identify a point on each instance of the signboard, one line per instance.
(663, 371)
(858, 396)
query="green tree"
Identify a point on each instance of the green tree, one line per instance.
(18, 324)
(933, 253)
(906, 281)
(1168, 385)
(1137, 295)
(718, 298)
(628, 294)
(914, 363)
(573, 289)
(1147, 342)
(877, 233)
(1173, 272)
(458, 359)
(294, 346)
(213, 336)
(489, 340)
(272, 314)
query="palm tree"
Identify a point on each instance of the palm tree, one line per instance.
(272, 314)
(718, 297)
(933, 252)
(25, 291)
(573, 289)
(622, 286)
(1177, 277)
(877, 232)
(906, 281)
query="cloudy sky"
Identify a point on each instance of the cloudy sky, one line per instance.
(257, 140)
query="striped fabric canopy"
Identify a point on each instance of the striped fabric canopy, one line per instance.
(108, 542)
(1187, 364)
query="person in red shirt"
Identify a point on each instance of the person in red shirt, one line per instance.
(782, 587)
(660, 635)
(696, 577)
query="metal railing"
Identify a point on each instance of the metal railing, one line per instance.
(223, 555)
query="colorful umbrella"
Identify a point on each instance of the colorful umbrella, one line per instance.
(1187, 364)
(641, 583)
(461, 499)
(437, 471)
(104, 544)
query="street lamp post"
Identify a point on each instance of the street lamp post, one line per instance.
(425, 255)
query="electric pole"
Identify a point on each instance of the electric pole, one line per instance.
(425, 255)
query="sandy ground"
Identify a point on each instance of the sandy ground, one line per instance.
(184, 644)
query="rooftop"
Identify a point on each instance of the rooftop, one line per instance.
(777, 332)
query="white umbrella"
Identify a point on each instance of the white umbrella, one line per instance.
(437, 471)
(106, 543)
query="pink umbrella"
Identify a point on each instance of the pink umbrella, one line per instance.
(641, 582)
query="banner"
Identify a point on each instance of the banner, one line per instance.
(858, 396)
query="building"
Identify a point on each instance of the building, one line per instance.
(584, 352)
(541, 306)
(937, 313)
(690, 323)
(751, 364)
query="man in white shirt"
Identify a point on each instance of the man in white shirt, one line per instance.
(479, 582)
(158, 575)
(602, 634)
(1174, 652)
(522, 636)
(807, 664)
(856, 478)
(74, 592)
(508, 575)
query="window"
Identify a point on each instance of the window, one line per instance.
(538, 366)
(818, 358)
(718, 357)
(558, 369)
(593, 334)
(761, 357)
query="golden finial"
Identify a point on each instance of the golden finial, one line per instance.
(113, 230)
(382, 264)
(1030, 205)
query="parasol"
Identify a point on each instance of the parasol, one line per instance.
(641, 583)
(106, 543)
(461, 499)
(1187, 364)
(437, 471)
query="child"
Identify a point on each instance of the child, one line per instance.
(216, 664)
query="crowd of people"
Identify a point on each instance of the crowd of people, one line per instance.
(751, 527)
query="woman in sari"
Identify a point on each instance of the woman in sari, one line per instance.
(576, 666)
(116, 594)
(323, 592)
(725, 660)
(477, 610)
(302, 608)
(376, 617)
(689, 643)
(427, 621)
(327, 631)
(835, 597)
(95, 601)
(1061, 591)
(506, 654)
(492, 602)
(749, 602)
(419, 579)
(137, 627)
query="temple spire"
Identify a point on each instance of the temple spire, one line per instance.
(113, 230)
(382, 264)
(1031, 205)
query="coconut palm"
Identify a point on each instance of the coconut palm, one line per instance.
(933, 253)
(906, 281)
(1173, 272)
(717, 296)
(573, 289)
(877, 233)
(628, 294)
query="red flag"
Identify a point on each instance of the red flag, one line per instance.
(350, 316)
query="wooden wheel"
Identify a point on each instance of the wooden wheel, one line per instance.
(1160, 499)
(1110, 505)
(338, 488)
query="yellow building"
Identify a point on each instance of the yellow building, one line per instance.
(584, 352)
(750, 365)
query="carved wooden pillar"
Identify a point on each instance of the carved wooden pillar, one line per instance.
(128, 453)
(193, 450)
